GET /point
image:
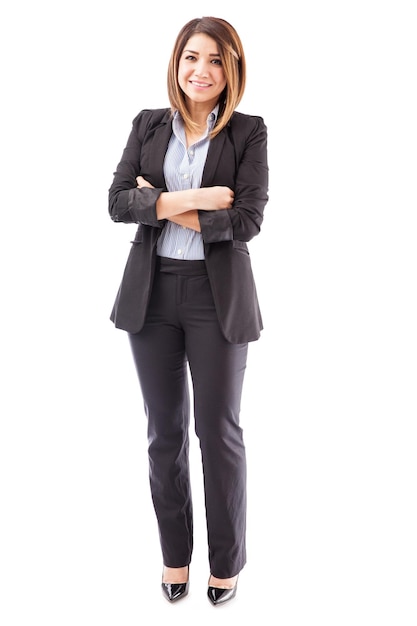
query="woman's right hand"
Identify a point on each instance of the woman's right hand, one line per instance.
(172, 203)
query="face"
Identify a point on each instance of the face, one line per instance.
(200, 71)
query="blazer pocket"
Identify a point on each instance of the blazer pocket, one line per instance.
(138, 236)
(240, 246)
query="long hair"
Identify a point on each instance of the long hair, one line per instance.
(234, 66)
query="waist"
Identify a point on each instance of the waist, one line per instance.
(185, 268)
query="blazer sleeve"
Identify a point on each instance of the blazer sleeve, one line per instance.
(127, 203)
(246, 145)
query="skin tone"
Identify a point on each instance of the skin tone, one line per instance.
(177, 575)
(202, 79)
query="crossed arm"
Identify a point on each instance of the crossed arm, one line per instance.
(182, 207)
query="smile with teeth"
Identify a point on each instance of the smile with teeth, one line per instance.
(197, 84)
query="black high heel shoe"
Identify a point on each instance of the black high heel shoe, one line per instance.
(175, 591)
(220, 595)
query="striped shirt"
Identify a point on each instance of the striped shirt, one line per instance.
(183, 169)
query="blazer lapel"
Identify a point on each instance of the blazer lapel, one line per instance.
(159, 145)
(213, 157)
(158, 148)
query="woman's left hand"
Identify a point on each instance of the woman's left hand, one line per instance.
(143, 183)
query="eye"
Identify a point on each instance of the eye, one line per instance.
(190, 57)
(217, 62)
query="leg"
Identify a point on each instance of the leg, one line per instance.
(159, 355)
(217, 407)
(217, 369)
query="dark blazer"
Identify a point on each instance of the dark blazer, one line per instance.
(237, 158)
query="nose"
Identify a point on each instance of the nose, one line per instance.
(201, 68)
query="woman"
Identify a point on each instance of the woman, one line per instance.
(194, 177)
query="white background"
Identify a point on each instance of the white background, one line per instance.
(329, 408)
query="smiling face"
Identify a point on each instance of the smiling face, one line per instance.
(200, 71)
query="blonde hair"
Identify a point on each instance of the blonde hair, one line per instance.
(234, 66)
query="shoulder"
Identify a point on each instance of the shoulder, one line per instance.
(150, 118)
(246, 123)
(247, 131)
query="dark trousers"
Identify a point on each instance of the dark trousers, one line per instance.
(182, 327)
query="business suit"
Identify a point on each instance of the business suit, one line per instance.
(236, 159)
(225, 298)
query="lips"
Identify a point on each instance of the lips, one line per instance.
(201, 85)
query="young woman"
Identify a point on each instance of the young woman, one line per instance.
(194, 177)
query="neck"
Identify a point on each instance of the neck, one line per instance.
(199, 111)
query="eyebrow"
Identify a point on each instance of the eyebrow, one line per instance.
(194, 52)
